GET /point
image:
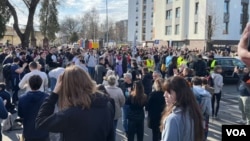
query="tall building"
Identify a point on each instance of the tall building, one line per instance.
(193, 23)
(140, 20)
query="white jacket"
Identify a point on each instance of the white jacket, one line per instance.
(218, 82)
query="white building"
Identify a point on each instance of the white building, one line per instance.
(140, 20)
(185, 23)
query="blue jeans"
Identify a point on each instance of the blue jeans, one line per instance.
(91, 72)
(125, 117)
(52, 82)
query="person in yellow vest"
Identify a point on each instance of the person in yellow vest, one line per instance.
(211, 63)
(150, 63)
(183, 64)
(180, 59)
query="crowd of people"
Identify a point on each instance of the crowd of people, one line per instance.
(83, 93)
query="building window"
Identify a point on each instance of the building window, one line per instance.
(136, 23)
(196, 8)
(195, 27)
(144, 23)
(225, 28)
(168, 30)
(144, 8)
(177, 29)
(169, 14)
(177, 12)
(143, 37)
(136, 9)
(144, 30)
(169, 1)
(144, 15)
(226, 7)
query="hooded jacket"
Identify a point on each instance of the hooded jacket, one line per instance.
(205, 103)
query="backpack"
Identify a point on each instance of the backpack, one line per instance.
(7, 71)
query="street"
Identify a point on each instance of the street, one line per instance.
(228, 115)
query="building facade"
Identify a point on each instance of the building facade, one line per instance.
(12, 37)
(193, 23)
(140, 20)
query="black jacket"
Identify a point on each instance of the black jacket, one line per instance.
(77, 124)
(147, 81)
(136, 111)
(50, 62)
(155, 106)
(200, 68)
(6, 96)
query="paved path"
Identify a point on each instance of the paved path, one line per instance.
(228, 115)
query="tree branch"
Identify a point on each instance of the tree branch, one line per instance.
(26, 3)
(14, 14)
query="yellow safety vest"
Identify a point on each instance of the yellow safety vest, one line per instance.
(212, 65)
(179, 60)
(150, 64)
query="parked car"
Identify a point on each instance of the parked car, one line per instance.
(228, 64)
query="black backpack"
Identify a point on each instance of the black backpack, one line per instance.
(7, 71)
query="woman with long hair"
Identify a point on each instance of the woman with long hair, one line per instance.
(136, 101)
(182, 118)
(84, 113)
(155, 107)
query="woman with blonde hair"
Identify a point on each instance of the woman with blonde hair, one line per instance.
(182, 118)
(155, 107)
(84, 114)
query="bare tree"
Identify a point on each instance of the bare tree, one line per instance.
(90, 24)
(69, 25)
(212, 21)
(31, 5)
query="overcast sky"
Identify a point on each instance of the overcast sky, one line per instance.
(118, 9)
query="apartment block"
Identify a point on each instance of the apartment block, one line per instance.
(192, 23)
(140, 20)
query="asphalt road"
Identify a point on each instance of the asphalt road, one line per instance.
(228, 115)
